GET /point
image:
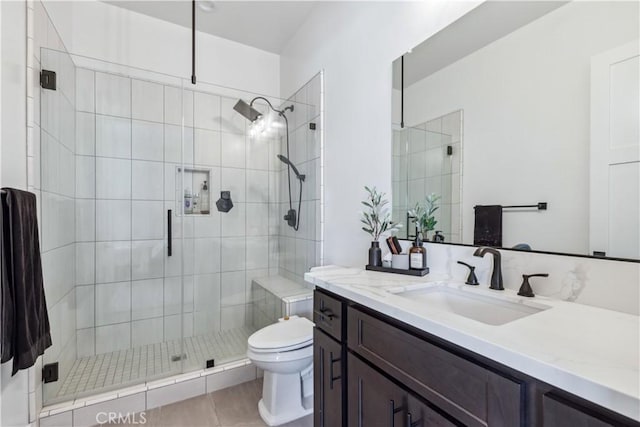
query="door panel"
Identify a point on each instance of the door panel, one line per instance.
(615, 152)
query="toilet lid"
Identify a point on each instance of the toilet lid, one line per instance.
(286, 334)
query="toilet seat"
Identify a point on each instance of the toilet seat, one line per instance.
(288, 335)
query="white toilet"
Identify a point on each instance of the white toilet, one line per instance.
(284, 351)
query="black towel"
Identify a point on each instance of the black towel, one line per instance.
(488, 226)
(25, 332)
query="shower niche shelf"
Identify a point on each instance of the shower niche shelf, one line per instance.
(195, 197)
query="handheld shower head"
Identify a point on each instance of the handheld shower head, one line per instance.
(247, 111)
(287, 162)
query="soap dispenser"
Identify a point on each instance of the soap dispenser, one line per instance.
(204, 198)
(417, 253)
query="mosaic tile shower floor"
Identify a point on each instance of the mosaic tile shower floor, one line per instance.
(139, 364)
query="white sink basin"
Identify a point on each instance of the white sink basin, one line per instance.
(482, 308)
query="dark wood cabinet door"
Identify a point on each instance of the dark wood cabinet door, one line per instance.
(374, 400)
(328, 386)
(560, 412)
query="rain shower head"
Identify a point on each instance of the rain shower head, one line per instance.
(247, 110)
(287, 162)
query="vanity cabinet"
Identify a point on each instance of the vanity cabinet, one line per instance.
(392, 374)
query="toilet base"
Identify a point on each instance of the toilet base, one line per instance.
(282, 399)
(280, 419)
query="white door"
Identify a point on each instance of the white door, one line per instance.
(615, 152)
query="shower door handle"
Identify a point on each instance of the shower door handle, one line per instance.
(169, 237)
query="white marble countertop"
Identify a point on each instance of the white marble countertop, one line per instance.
(588, 351)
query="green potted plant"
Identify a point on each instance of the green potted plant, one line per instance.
(376, 220)
(423, 214)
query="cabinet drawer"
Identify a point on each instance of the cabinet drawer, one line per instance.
(328, 314)
(470, 393)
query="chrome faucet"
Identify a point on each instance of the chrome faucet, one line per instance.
(496, 274)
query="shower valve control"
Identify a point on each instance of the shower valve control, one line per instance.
(290, 217)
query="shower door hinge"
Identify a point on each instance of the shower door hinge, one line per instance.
(48, 79)
(50, 372)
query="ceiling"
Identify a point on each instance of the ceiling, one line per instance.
(485, 24)
(266, 25)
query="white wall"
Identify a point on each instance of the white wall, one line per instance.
(14, 158)
(526, 118)
(355, 43)
(14, 402)
(110, 33)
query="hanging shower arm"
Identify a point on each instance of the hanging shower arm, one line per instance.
(280, 112)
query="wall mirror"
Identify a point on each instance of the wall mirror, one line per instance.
(520, 103)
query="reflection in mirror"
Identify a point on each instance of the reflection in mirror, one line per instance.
(549, 92)
(426, 160)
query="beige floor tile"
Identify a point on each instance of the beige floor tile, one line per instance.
(153, 418)
(196, 412)
(302, 422)
(238, 406)
(232, 407)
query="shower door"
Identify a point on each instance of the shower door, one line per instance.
(112, 141)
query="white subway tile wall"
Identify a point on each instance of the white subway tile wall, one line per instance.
(298, 250)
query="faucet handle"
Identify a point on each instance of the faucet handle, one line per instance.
(471, 279)
(525, 288)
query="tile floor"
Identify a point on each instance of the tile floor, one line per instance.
(90, 375)
(232, 407)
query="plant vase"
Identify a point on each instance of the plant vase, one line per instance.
(375, 255)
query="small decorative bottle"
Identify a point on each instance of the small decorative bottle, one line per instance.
(204, 198)
(196, 203)
(417, 253)
(188, 201)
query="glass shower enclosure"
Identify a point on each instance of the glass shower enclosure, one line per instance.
(144, 276)
(427, 160)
